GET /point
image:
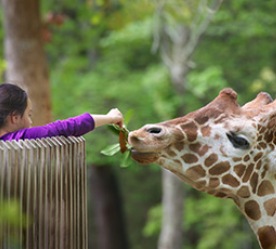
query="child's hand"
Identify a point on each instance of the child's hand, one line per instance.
(120, 130)
(116, 117)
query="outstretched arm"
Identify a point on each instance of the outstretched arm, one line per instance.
(75, 126)
(114, 116)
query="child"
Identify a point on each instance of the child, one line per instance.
(16, 122)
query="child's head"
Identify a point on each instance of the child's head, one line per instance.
(13, 103)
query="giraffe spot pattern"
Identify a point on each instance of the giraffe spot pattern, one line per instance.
(190, 130)
(230, 180)
(254, 182)
(219, 168)
(259, 164)
(243, 192)
(179, 146)
(264, 170)
(265, 188)
(252, 210)
(246, 158)
(239, 169)
(189, 158)
(220, 195)
(272, 147)
(236, 159)
(262, 145)
(214, 182)
(201, 119)
(258, 156)
(248, 172)
(191, 136)
(269, 136)
(270, 207)
(206, 131)
(195, 172)
(271, 123)
(199, 149)
(267, 237)
(171, 153)
(211, 192)
(200, 185)
(210, 160)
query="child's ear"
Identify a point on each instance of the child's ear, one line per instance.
(14, 118)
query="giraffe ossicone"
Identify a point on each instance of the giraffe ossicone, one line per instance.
(224, 149)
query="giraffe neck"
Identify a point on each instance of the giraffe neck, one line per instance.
(261, 215)
(253, 189)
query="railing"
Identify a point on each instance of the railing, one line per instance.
(45, 179)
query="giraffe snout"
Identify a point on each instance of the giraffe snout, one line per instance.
(148, 138)
(144, 134)
(133, 138)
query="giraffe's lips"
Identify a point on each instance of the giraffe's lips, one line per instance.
(144, 157)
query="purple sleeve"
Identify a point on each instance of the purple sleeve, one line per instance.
(76, 126)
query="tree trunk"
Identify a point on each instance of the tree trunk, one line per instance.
(171, 236)
(27, 65)
(108, 210)
(172, 199)
(177, 44)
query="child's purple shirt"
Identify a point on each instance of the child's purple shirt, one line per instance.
(76, 126)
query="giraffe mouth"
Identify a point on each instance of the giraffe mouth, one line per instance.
(144, 157)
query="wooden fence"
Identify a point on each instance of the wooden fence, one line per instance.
(43, 194)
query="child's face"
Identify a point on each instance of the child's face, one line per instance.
(26, 120)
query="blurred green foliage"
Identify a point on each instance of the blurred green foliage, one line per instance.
(12, 220)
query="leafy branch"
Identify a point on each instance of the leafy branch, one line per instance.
(122, 146)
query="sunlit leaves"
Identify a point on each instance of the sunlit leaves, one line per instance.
(266, 79)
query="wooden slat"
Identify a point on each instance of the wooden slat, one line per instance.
(47, 178)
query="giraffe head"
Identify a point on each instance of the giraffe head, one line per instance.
(223, 149)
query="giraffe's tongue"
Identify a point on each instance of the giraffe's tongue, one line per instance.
(144, 157)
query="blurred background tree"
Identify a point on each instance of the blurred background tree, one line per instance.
(101, 54)
(24, 53)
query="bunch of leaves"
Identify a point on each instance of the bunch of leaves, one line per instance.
(122, 146)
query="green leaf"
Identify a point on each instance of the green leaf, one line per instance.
(114, 129)
(126, 159)
(111, 150)
(128, 116)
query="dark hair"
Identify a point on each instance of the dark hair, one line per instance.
(13, 100)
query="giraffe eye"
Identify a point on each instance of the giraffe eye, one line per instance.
(154, 130)
(238, 141)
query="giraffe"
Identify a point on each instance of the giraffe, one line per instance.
(224, 149)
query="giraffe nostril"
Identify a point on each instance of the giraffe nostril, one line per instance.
(133, 139)
(154, 130)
